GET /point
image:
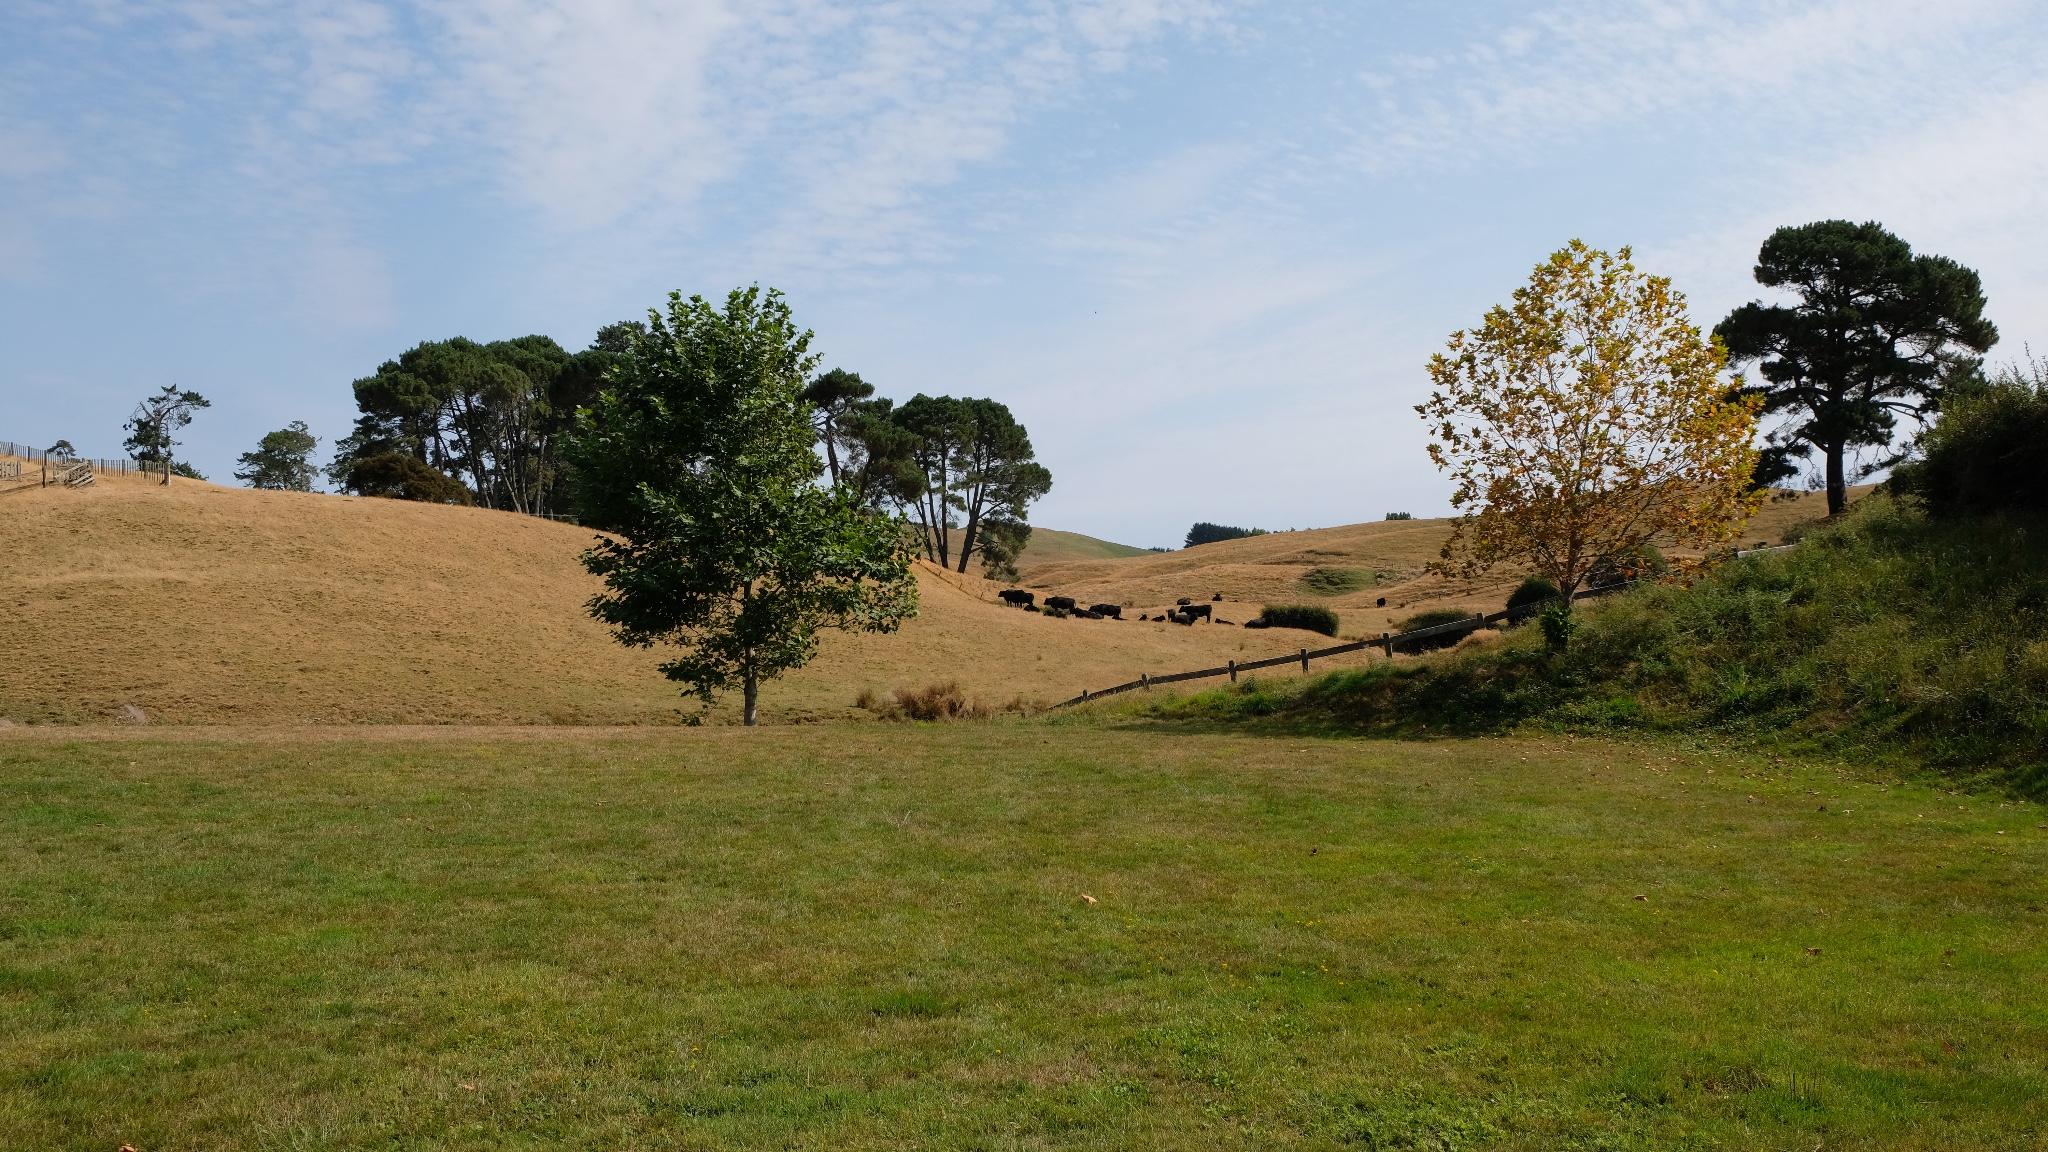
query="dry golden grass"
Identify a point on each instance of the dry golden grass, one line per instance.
(200, 604)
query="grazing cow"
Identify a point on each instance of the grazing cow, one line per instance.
(1180, 618)
(1018, 596)
(1257, 622)
(1113, 611)
(1183, 601)
(1197, 612)
(1065, 603)
(1383, 601)
(1087, 613)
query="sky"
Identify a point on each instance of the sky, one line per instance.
(1202, 248)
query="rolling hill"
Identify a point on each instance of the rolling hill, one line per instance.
(201, 604)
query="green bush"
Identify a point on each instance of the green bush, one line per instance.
(1307, 616)
(1984, 456)
(1534, 590)
(1431, 619)
(1335, 581)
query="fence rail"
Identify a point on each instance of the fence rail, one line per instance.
(119, 466)
(1387, 641)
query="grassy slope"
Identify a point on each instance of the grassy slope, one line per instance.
(1048, 546)
(1883, 632)
(876, 938)
(204, 604)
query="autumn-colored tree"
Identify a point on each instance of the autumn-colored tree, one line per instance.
(1584, 419)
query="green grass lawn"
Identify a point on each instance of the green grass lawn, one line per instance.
(877, 936)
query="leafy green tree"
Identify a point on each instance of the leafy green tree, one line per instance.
(491, 414)
(834, 397)
(697, 457)
(970, 458)
(1875, 333)
(283, 460)
(154, 419)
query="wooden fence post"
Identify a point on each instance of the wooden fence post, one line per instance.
(1233, 671)
(1387, 641)
(1304, 659)
(1145, 681)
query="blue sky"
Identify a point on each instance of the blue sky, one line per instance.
(1202, 248)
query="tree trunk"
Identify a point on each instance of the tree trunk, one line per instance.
(831, 453)
(1838, 488)
(753, 697)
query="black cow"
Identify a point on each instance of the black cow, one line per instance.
(1063, 603)
(1180, 618)
(1257, 622)
(1217, 596)
(1183, 601)
(1196, 612)
(1018, 596)
(1087, 614)
(1113, 611)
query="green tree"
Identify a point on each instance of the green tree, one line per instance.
(283, 460)
(697, 457)
(397, 476)
(154, 419)
(491, 414)
(971, 469)
(1983, 455)
(1875, 333)
(834, 398)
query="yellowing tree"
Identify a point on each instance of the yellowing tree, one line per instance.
(1585, 419)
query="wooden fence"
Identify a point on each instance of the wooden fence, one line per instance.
(1386, 641)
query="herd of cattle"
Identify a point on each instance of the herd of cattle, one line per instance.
(1186, 611)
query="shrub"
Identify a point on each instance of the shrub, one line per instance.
(936, 702)
(1431, 619)
(1400, 515)
(1313, 618)
(1207, 533)
(400, 477)
(1534, 590)
(1984, 455)
(1335, 581)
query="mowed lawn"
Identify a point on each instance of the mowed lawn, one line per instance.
(882, 937)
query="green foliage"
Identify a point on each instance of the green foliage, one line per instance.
(1206, 533)
(968, 466)
(697, 458)
(282, 461)
(1431, 619)
(396, 476)
(1533, 590)
(1876, 332)
(1400, 515)
(1335, 581)
(492, 415)
(1312, 617)
(155, 418)
(1985, 455)
(1558, 622)
(186, 469)
(1884, 632)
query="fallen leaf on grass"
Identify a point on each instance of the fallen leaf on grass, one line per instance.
(1088, 898)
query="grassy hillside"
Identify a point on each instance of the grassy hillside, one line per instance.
(1884, 632)
(1002, 936)
(204, 604)
(1048, 546)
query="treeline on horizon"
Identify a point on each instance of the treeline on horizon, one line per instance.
(462, 422)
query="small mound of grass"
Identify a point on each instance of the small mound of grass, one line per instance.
(1310, 617)
(1335, 581)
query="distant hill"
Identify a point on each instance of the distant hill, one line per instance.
(1050, 546)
